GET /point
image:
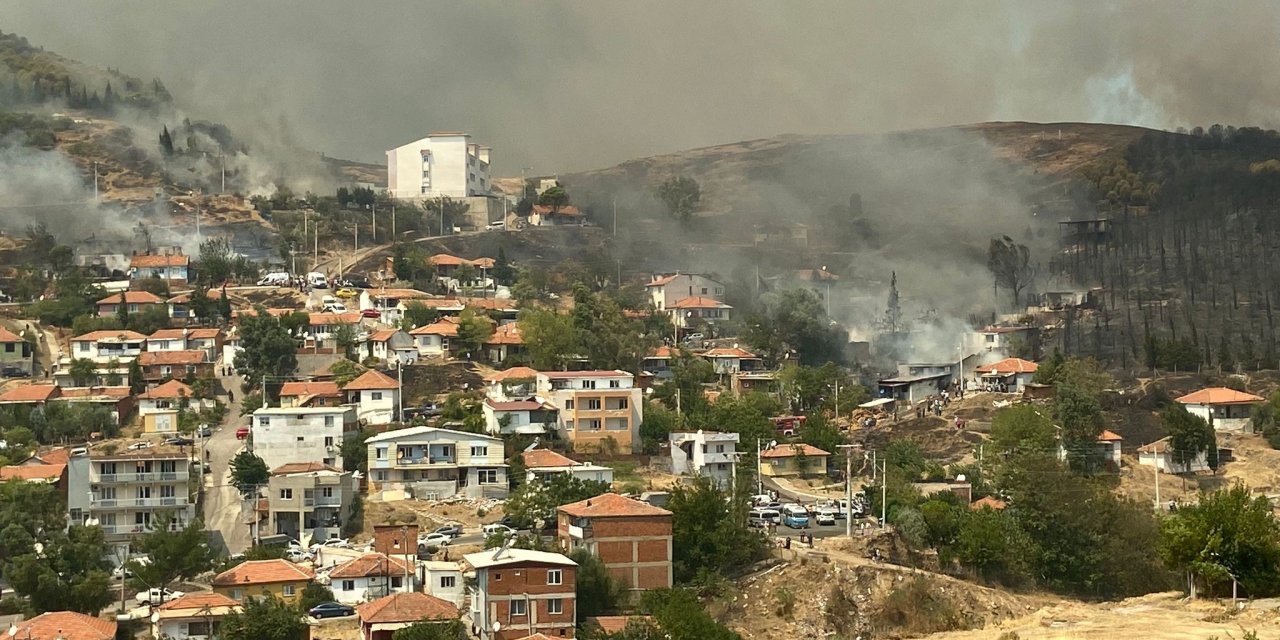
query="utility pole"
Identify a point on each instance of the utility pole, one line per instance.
(399, 390)
(95, 181)
(1157, 504)
(393, 222)
(440, 200)
(222, 162)
(355, 234)
(884, 495)
(316, 259)
(615, 217)
(848, 488)
(373, 230)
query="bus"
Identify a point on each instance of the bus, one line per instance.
(795, 516)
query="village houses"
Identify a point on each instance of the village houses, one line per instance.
(596, 410)
(428, 463)
(518, 593)
(632, 538)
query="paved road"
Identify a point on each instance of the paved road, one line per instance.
(222, 501)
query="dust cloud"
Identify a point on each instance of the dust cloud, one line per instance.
(566, 85)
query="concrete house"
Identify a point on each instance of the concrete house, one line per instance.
(688, 312)
(102, 347)
(431, 464)
(444, 580)
(158, 407)
(632, 538)
(16, 355)
(280, 435)
(392, 346)
(1224, 409)
(596, 410)
(310, 501)
(63, 625)
(172, 266)
(732, 360)
(132, 301)
(787, 460)
(665, 291)
(321, 328)
(705, 453)
(1159, 454)
(518, 593)
(511, 384)
(194, 616)
(1013, 373)
(165, 365)
(207, 339)
(1106, 449)
(443, 164)
(541, 464)
(180, 305)
(311, 394)
(371, 576)
(518, 416)
(392, 303)
(381, 618)
(375, 396)
(129, 490)
(432, 340)
(255, 578)
(505, 342)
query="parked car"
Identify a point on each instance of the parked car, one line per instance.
(298, 555)
(825, 517)
(355, 280)
(205, 431)
(335, 307)
(242, 433)
(275, 279)
(500, 224)
(453, 530)
(435, 540)
(331, 610)
(490, 529)
(14, 372)
(157, 595)
(334, 543)
(139, 445)
(424, 411)
(126, 570)
(181, 441)
(317, 280)
(370, 313)
(764, 517)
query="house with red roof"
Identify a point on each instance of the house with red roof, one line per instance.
(731, 360)
(511, 384)
(541, 464)
(170, 265)
(548, 216)
(666, 290)
(432, 340)
(131, 301)
(180, 305)
(370, 576)
(694, 311)
(376, 396)
(63, 625)
(17, 358)
(1160, 454)
(392, 346)
(254, 578)
(505, 342)
(1224, 409)
(793, 459)
(158, 366)
(1105, 450)
(1012, 374)
(522, 415)
(31, 395)
(381, 618)
(311, 394)
(106, 345)
(632, 538)
(194, 616)
(158, 406)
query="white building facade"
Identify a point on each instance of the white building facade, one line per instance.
(431, 463)
(443, 164)
(705, 453)
(301, 434)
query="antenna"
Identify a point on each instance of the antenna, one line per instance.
(532, 445)
(506, 544)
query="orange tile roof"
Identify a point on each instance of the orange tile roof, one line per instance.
(110, 334)
(1109, 436)
(382, 335)
(483, 263)
(611, 505)
(58, 455)
(325, 388)
(537, 636)
(148, 358)
(263, 572)
(541, 458)
(31, 393)
(442, 328)
(663, 280)
(1219, 395)
(598, 373)
(489, 304)
(212, 294)
(133, 297)
(789, 451)
(698, 302)
(301, 467)
(514, 373)
(170, 389)
(90, 392)
(194, 334)
(32, 472)
(65, 624)
(199, 600)
(728, 352)
(160, 261)
(446, 260)
(1008, 365)
(663, 352)
(988, 502)
(372, 380)
(406, 607)
(370, 564)
(321, 319)
(506, 334)
(9, 336)
(611, 624)
(514, 405)
(566, 210)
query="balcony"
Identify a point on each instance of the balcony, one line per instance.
(117, 478)
(136, 503)
(581, 533)
(717, 458)
(331, 501)
(426, 460)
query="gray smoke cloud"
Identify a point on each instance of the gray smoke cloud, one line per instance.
(565, 85)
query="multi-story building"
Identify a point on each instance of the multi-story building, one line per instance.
(375, 396)
(310, 394)
(518, 593)
(433, 339)
(598, 411)
(16, 355)
(529, 416)
(280, 435)
(310, 499)
(665, 291)
(256, 578)
(631, 538)
(158, 407)
(705, 453)
(690, 312)
(103, 347)
(443, 164)
(129, 490)
(165, 365)
(209, 340)
(432, 463)
(372, 575)
(392, 346)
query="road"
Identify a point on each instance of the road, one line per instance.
(222, 501)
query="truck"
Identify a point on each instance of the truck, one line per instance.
(788, 425)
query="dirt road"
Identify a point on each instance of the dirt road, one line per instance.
(222, 504)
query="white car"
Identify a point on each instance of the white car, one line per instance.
(139, 445)
(501, 224)
(335, 307)
(825, 518)
(334, 543)
(157, 596)
(298, 555)
(435, 540)
(490, 529)
(275, 278)
(317, 280)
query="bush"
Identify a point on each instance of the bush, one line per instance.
(915, 608)
(786, 602)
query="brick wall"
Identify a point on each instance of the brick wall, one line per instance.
(389, 541)
(631, 527)
(528, 578)
(652, 550)
(654, 577)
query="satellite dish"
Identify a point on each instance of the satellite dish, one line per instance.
(497, 626)
(773, 443)
(155, 617)
(13, 630)
(38, 547)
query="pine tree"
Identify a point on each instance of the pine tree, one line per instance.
(166, 141)
(893, 312)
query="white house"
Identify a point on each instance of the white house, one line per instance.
(687, 312)
(392, 346)
(1000, 341)
(665, 291)
(731, 360)
(1224, 409)
(391, 303)
(1013, 373)
(433, 339)
(194, 616)
(1106, 449)
(542, 463)
(172, 267)
(705, 453)
(163, 398)
(443, 580)
(443, 164)
(1159, 454)
(511, 384)
(376, 396)
(518, 416)
(431, 463)
(371, 576)
(104, 346)
(280, 435)
(322, 326)
(596, 410)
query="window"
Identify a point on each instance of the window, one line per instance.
(488, 476)
(348, 585)
(479, 452)
(593, 403)
(163, 404)
(704, 291)
(497, 576)
(84, 346)
(447, 582)
(167, 491)
(518, 607)
(286, 494)
(554, 576)
(328, 493)
(288, 590)
(588, 384)
(555, 606)
(614, 384)
(397, 582)
(328, 441)
(236, 594)
(264, 421)
(719, 448)
(8, 347)
(380, 453)
(568, 405)
(375, 395)
(380, 476)
(328, 421)
(622, 403)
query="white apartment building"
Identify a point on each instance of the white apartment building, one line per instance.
(129, 490)
(103, 347)
(442, 164)
(596, 410)
(310, 500)
(280, 435)
(431, 463)
(375, 395)
(705, 453)
(665, 291)
(443, 579)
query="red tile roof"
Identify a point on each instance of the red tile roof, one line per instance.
(611, 505)
(160, 261)
(133, 297)
(663, 352)
(542, 458)
(149, 358)
(567, 210)
(443, 327)
(301, 467)
(611, 624)
(514, 405)
(406, 607)
(988, 502)
(790, 451)
(50, 472)
(59, 455)
(698, 302)
(587, 374)
(170, 389)
(506, 334)
(370, 564)
(65, 624)
(1109, 436)
(372, 380)
(119, 335)
(382, 335)
(446, 260)
(31, 393)
(326, 388)
(661, 281)
(514, 373)
(199, 600)
(263, 572)
(9, 336)
(212, 294)
(323, 319)
(1219, 395)
(728, 352)
(1007, 366)
(178, 334)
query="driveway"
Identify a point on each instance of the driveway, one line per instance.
(222, 503)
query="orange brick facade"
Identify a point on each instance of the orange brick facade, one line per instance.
(528, 583)
(389, 540)
(636, 549)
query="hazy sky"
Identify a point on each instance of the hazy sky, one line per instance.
(561, 85)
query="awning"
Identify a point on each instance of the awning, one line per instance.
(878, 402)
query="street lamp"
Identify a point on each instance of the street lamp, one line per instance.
(759, 475)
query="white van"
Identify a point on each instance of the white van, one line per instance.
(764, 517)
(274, 279)
(317, 280)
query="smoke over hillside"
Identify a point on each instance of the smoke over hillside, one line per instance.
(570, 85)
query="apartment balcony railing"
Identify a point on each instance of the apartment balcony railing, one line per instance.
(107, 478)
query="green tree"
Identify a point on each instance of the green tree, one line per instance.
(473, 330)
(444, 630)
(1226, 533)
(269, 350)
(503, 272)
(680, 616)
(175, 555)
(83, 372)
(794, 322)
(355, 455)
(991, 543)
(216, 262)
(681, 195)
(824, 435)
(709, 532)
(137, 384)
(417, 315)
(549, 338)
(346, 337)
(265, 618)
(536, 502)
(1080, 417)
(314, 594)
(659, 423)
(1189, 436)
(598, 592)
(67, 573)
(555, 197)
(248, 470)
(684, 389)
(1022, 428)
